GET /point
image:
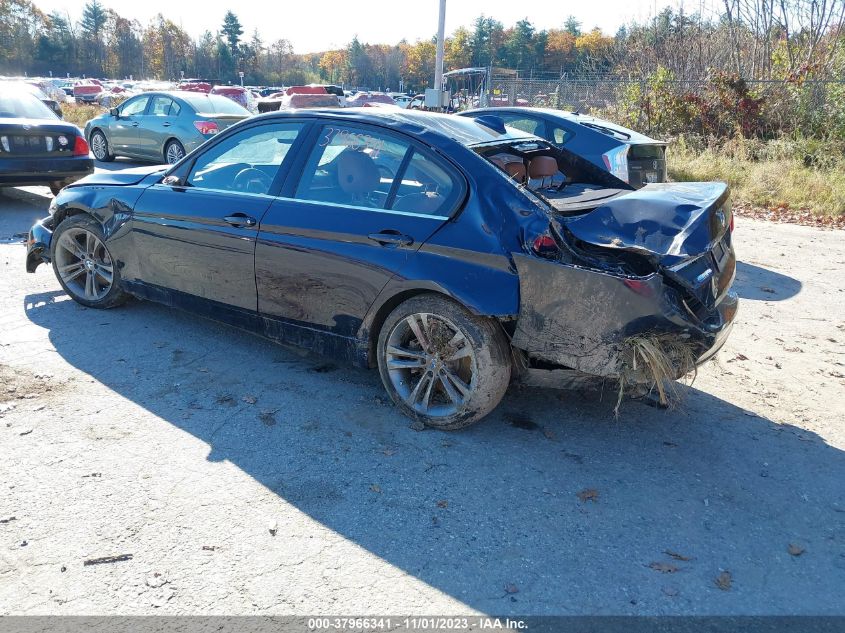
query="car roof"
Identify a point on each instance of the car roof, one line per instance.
(465, 131)
(619, 133)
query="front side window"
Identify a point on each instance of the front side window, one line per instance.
(136, 106)
(246, 162)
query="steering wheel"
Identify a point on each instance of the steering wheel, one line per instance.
(252, 180)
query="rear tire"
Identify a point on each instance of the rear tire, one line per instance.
(442, 365)
(100, 147)
(174, 151)
(83, 263)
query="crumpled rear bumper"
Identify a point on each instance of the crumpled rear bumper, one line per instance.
(38, 244)
(580, 319)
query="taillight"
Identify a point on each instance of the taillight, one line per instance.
(616, 162)
(80, 147)
(732, 223)
(206, 127)
(545, 246)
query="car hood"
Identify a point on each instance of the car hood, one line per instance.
(123, 177)
(669, 222)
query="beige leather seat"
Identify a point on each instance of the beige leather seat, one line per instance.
(357, 176)
(542, 167)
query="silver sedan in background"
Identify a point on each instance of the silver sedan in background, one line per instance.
(161, 126)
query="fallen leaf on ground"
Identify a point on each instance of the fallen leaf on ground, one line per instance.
(741, 357)
(795, 550)
(511, 588)
(589, 494)
(663, 568)
(550, 435)
(375, 488)
(769, 290)
(677, 556)
(389, 452)
(723, 581)
(249, 399)
(443, 503)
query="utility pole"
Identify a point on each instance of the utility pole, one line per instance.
(441, 36)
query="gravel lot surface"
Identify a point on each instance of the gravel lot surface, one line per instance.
(235, 476)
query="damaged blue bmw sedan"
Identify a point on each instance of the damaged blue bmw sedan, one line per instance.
(455, 255)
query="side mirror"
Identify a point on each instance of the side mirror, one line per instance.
(171, 181)
(115, 112)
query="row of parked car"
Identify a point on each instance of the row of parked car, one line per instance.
(163, 126)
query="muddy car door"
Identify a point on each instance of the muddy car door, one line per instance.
(365, 201)
(197, 234)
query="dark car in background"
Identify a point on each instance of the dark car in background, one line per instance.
(630, 156)
(161, 126)
(38, 93)
(399, 240)
(38, 148)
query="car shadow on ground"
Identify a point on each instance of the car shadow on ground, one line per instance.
(763, 284)
(549, 506)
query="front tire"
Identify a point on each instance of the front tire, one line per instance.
(100, 147)
(174, 151)
(440, 364)
(83, 264)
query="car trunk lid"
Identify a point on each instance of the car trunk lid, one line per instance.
(682, 228)
(34, 138)
(222, 120)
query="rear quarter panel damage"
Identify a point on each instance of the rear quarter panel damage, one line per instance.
(579, 318)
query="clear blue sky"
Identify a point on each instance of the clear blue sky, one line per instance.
(323, 24)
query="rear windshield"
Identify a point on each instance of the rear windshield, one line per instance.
(213, 104)
(23, 106)
(646, 151)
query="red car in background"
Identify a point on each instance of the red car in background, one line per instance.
(87, 90)
(238, 94)
(365, 98)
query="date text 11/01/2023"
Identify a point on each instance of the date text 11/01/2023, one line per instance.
(475, 623)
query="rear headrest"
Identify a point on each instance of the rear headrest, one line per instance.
(357, 173)
(516, 171)
(542, 167)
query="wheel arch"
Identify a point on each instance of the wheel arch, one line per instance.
(170, 140)
(391, 297)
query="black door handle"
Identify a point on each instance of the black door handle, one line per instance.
(391, 238)
(166, 124)
(240, 219)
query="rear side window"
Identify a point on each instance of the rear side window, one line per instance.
(246, 162)
(352, 166)
(175, 109)
(560, 136)
(370, 169)
(526, 124)
(425, 188)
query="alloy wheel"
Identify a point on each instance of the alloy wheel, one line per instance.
(98, 146)
(431, 364)
(84, 264)
(175, 153)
